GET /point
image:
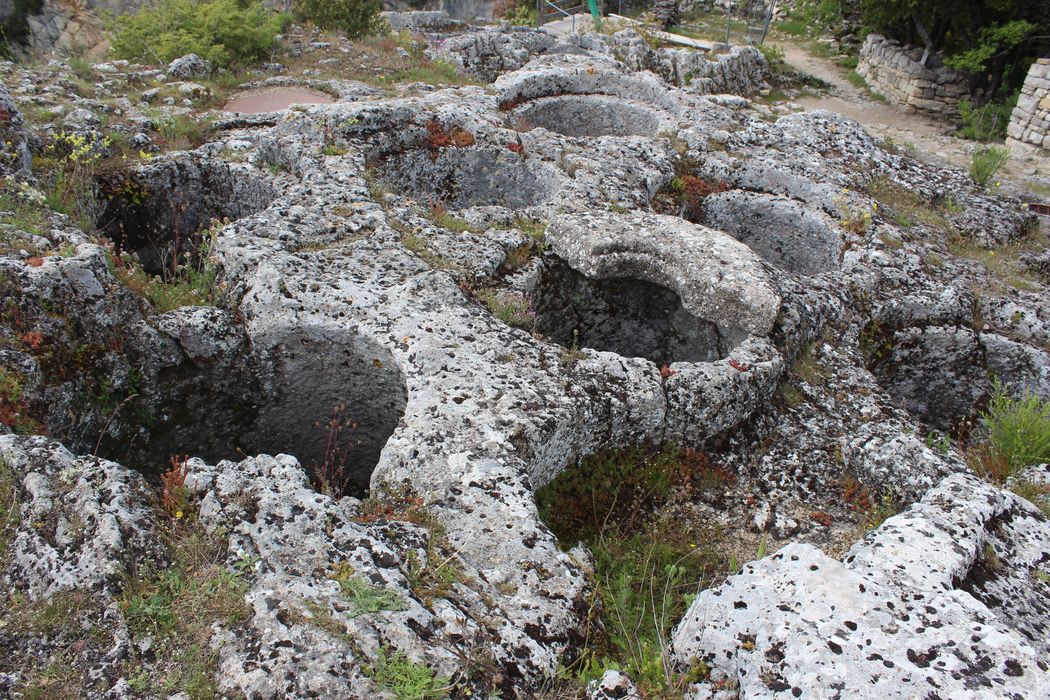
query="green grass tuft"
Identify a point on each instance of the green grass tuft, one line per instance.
(986, 162)
(1018, 429)
(649, 564)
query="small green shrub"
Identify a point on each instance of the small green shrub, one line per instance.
(430, 72)
(405, 679)
(14, 407)
(81, 67)
(365, 597)
(1018, 429)
(21, 214)
(355, 18)
(986, 162)
(441, 217)
(856, 79)
(987, 122)
(177, 608)
(647, 567)
(225, 32)
(67, 168)
(511, 307)
(419, 246)
(774, 57)
(179, 131)
(521, 14)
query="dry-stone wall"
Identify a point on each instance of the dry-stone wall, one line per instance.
(1030, 121)
(894, 71)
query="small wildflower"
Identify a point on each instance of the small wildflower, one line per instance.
(178, 515)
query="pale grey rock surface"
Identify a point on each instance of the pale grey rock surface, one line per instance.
(343, 285)
(189, 66)
(82, 523)
(940, 601)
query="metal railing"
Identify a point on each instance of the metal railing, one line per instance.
(544, 15)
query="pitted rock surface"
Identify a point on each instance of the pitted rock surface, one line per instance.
(82, 522)
(357, 283)
(939, 600)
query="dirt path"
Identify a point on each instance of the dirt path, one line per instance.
(930, 138)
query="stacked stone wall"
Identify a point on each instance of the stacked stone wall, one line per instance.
(894, 72)
(1030, 121)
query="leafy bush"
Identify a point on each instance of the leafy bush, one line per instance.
(807, 17)
(774, 56)
(67, 167)
(520, 14)
(991, 40)
(1018, 429)
(988, 122)
(225, 32)
(986, 162)
(356, 18)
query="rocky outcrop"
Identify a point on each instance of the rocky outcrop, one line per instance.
(469, 290)
(489, 54)
(942, 599)
(82, 523)
(1030, 121)
(72, 25)
(189, 66)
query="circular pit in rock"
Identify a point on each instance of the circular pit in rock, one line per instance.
(630, 317)
(589, 116)
(327, 396)
(158, 212)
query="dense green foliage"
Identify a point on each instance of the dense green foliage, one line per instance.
(225, 32)
(1018, 429)
(987, 122)
(405, 679)
(993, 40)
(356, 18)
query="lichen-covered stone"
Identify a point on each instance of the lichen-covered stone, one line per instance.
(941, 599)
(82, 522)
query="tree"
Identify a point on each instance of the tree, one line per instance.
(994, 40)
(355, 18)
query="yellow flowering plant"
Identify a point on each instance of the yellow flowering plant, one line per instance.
(68, 169)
